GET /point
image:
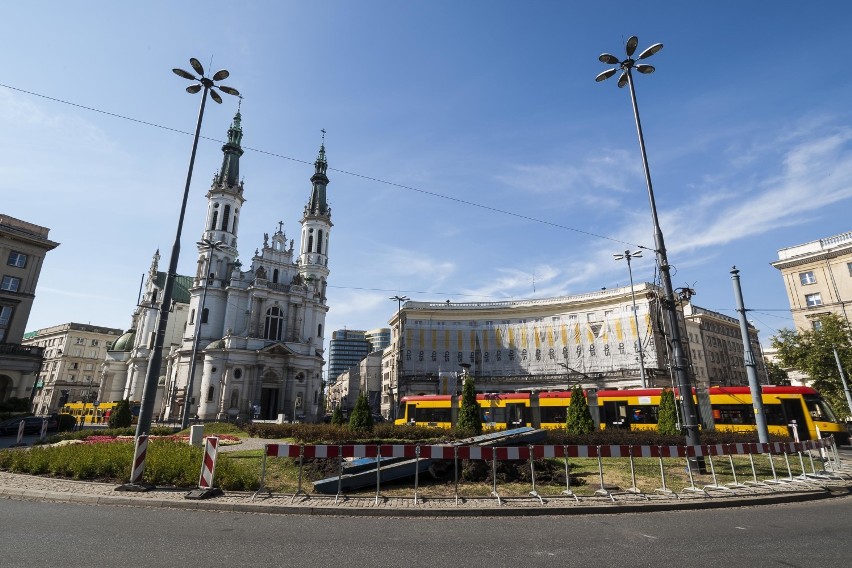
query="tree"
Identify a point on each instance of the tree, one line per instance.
(121, 416)
(811, 351)
(667, 413)
(579, 419)
(337, 417)
(361, 419)
(470, 417)
(777, 375)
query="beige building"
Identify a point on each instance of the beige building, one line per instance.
(589, 339)
(818, 278)
(716, 348)
(73, 359)
(23, 247)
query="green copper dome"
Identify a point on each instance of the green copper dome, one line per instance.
(125, 342)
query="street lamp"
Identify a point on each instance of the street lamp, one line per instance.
(399, 299)
(149, 392)
(627, 255)
(678, 360)
(210, 246)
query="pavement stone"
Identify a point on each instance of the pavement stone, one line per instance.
(37, 488)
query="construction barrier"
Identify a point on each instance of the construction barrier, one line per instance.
(599, 452)
(139, 455)
(43, 433)
(208, 465)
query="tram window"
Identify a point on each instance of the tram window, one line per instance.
(733, 414)
(553, 414)
(643, 414)
(819, 410)
(432, 415)
(495, 414)
(774, 415)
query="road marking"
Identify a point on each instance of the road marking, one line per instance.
(741, 528)
(649, 536)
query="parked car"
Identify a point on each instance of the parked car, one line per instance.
(32, 424)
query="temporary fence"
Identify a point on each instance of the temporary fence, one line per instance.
(208, 469)
(830, 466)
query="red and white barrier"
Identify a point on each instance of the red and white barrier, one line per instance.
(139, 455)
(43, 433)
(20, 432)
(208, 466)
(509, 453)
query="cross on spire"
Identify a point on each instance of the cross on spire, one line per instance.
(280, 225)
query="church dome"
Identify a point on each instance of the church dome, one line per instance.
(125, 342)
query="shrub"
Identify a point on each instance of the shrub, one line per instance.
(470, 418)
(361, 419)
(337, 417)
(667, 414)
(66, 423)
(121, 416)
(579, 419)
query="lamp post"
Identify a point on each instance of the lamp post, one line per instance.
(199, 319)
(399, 299)
(627, 255)
(678, 361)
(149, 391)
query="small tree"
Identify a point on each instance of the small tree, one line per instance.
(337, 417)
(579, 418)
(361, 419)
(121, 416)
(667, 414)
(470, 418)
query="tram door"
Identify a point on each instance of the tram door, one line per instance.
(615, 414)
(515, 415)
(793, 411)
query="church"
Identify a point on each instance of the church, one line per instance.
(255, 333)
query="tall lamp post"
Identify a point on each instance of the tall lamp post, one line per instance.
(149, 392)
(399, 300)
(627, 255)
(679, 365)
(199, 319)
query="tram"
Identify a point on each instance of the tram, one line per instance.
(99, 413)
(721, 408)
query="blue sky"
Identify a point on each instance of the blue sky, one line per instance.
(439, 115)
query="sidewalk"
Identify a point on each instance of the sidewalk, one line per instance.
(34, 488)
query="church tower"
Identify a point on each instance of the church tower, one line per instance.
(217, 249)
(316, 226)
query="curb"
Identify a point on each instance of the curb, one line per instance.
(389, 510)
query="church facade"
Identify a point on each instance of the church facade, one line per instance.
(255, 332)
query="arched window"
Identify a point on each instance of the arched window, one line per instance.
(154, 296)
(213, 222)
(310, 243)
(226, 217)
(204, 315)
(275, 275)
(274, 324)
(192, 316)
(235, 399)
(319, 241)
(210, 392)
(319, 330)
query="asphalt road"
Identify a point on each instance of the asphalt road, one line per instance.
(37, 534)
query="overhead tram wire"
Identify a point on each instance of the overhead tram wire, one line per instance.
(346, 172)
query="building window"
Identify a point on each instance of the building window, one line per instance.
(214, 221)
(204, 314)
(807, 277)
(813, 299)
(849, 268)
(192, 317)
(95, 343)
(210, 392)
(274, 324)
(319, 241)
(19, 259)
(816, 325)
(10, 284)
(226, 217)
